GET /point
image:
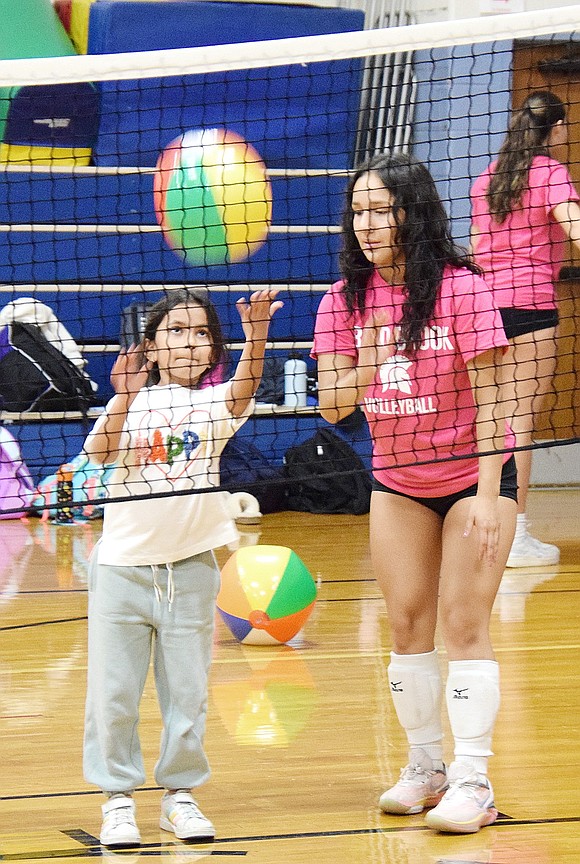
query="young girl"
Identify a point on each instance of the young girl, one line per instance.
(411, 334)
(154, 578)
(524, 207)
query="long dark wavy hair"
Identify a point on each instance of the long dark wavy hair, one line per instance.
(187, 297)
(526, 138)
(423, 235)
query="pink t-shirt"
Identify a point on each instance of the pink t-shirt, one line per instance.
(420, 407)
(522, 256)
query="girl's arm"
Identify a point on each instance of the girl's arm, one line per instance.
(485, 373)
(343, 380)
(255, 315)
(568, 216)
(128, 376)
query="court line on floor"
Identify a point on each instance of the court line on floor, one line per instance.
(158, 850)
(43, 623)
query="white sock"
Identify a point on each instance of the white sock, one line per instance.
(416, 691)
(478, 763)
(472, 694)
(521, 526)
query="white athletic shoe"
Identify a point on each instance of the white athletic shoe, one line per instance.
(419, 786)
(530, 552)
(180, 814)
(467, 805)
(119, 827)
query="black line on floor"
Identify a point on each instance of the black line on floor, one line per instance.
(53, 590)
(33, 796)
(81, 836)
(43, 623)
(154, 849)
(503, 821)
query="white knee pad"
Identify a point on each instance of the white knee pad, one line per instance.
(472, 694)
(416, 690)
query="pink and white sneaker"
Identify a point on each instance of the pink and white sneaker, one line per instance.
(467, 805)
(420, 785)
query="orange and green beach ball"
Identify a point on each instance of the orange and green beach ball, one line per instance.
(212, 197)
(267, 594)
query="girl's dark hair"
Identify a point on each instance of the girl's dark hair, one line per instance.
(423, 235)
(187, 297)
(526, 138)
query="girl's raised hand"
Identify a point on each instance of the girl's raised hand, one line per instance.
(256, 313)
(130, 371)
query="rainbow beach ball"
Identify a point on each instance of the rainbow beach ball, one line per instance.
(267, 594)
(212, 197)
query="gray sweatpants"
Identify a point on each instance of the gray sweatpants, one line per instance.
(129, 615)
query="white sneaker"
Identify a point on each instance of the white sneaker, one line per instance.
(180, 814)
(419, 786)
(467, 805)
(119, 827)
(527, 551)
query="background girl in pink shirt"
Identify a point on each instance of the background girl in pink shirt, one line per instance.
(411, 334)
(524, 210)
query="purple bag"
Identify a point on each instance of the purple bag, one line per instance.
(16, 486)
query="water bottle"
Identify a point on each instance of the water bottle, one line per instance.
(294, 381)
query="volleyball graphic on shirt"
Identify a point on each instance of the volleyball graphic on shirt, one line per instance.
(394, 374)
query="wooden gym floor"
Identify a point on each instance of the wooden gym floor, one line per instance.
(302, 738)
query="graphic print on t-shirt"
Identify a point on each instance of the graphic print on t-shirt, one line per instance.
(394, 374)
(400, 374)
(167, 445)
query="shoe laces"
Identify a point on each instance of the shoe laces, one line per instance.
(120, 816)
(412, 772)
(186, 809)
(469, 785)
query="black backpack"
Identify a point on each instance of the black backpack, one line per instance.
(36, 376)
(271, 387)
(244, 468)
(325, 475)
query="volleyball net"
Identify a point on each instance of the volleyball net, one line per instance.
(109, 197)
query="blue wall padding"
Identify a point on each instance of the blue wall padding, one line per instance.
(95, 317)
(120, 199)
(296, 116)
(144, 258)
(128, 199)
(117, 27)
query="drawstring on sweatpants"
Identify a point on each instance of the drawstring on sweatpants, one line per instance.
(156, 585)
(170, 584)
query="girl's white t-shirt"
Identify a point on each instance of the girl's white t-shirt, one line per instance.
(171, 443)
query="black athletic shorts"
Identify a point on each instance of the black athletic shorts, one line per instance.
(508, 489)
(516, 322)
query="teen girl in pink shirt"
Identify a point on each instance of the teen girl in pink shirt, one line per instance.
(412, 335)
(524, 209)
